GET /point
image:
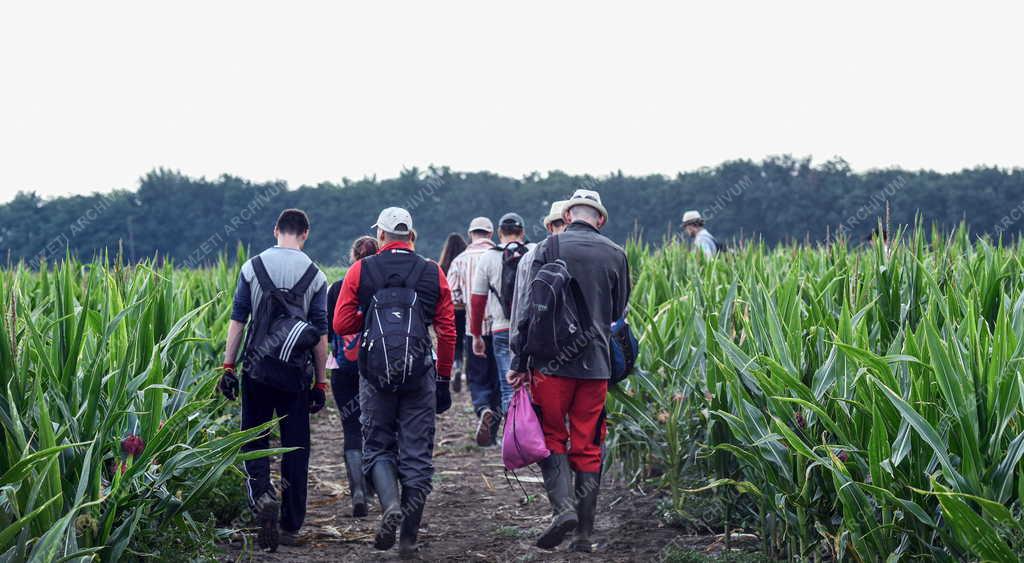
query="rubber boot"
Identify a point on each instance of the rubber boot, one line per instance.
(587, 487)
(558, 483)
(385, 480)
(356, 481)
(413, 502)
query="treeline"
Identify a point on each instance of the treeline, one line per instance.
(779, 199)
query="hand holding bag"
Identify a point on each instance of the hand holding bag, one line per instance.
(523, 442)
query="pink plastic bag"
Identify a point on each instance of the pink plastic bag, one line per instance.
(523, 442)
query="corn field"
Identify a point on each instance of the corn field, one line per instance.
(840, 404)
(108, 406)
(844, 404)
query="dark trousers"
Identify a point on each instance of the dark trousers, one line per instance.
(398, 428)
(345, 386)
(460, 338)
(259, 405)
(482, 374)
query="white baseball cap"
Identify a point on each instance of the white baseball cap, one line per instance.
(590, 198)
(692, 216)
(481, 224)
(555, 213)
(394, 220)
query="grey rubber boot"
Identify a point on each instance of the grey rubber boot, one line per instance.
(587, 487)
(413, 502)
(356, 481)
(385, 481)
(558, 483)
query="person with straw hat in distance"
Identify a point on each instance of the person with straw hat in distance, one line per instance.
(393, 297)
(693, 224)
(553, 224)
(571, 393)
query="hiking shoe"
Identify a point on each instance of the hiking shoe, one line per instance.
(485, 429)
(290, 538)
(267, 514)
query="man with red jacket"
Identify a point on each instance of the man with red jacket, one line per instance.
(399, 418)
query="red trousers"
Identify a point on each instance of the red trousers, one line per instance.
(580, 402)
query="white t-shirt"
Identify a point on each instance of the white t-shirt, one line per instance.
(487, 281)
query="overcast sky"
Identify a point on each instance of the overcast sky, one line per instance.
(94, 94)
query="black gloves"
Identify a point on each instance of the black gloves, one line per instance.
(317, 398)
(228, 385)
(444, 396)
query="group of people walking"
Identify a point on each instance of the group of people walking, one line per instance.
(391, 334)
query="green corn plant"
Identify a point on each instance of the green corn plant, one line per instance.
(107, 403)
(867, 398)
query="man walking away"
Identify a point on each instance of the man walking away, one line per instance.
(493, 290)
(572, 388)
(393, 297)
(481, 372)
(277, 369)
(693, 223)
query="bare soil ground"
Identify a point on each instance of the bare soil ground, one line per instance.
(474, 513)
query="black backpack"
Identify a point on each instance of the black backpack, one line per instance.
(279, 340)
(396, 346)
(511, 254)
(559, 328)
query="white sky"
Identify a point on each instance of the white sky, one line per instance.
(95, 94)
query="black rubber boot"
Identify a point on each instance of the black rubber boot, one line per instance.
(558, 483)
(385, 481)
(356, 481)
(587, 487)
(413, 502)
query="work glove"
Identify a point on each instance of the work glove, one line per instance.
(228, 385)
(444, 396)
(317, 397)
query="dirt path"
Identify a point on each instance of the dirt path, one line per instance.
(473, 513)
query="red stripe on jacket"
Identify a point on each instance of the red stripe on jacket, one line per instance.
(476, 317)
(348, 319)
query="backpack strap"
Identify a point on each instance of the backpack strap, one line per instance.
(373, 273)
(415, 274)
(551, 252)
(302, 285)
(262, 277)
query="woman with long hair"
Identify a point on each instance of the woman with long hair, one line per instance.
(344, 361)
(454, 246)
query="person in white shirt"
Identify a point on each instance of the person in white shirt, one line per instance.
(481, 372)
(693, 223)
(491, 302)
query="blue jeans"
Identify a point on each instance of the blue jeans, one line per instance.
(503, 358)
(482, 376)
